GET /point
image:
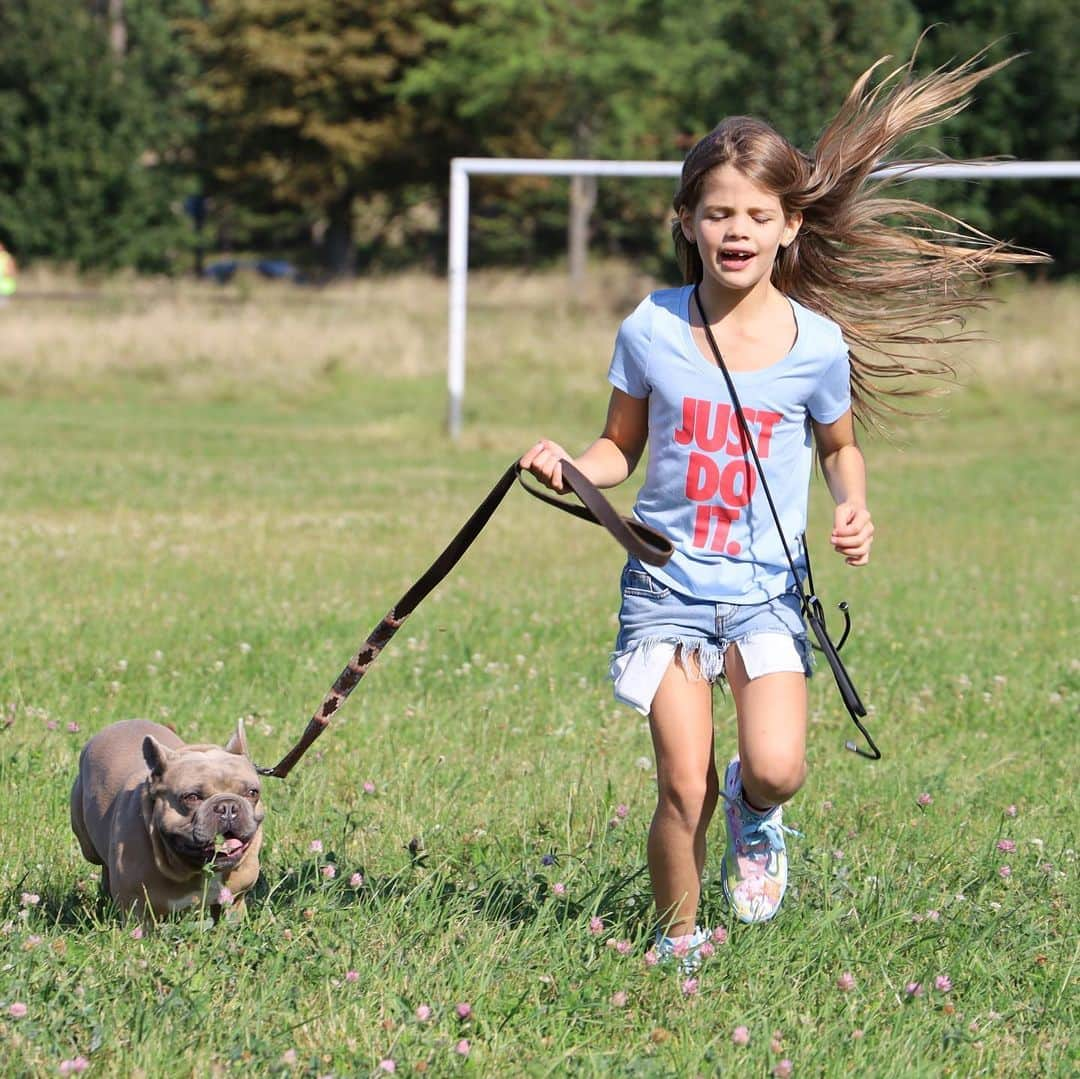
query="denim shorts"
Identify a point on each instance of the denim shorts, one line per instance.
(655, 620)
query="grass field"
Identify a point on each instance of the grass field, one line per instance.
(210, 498)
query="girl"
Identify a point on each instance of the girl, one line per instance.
(800, 269)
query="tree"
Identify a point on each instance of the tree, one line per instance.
(789, 64)
(300, 108)
(1029, 110)
(547, 78)
(641, 78)
(92, 141)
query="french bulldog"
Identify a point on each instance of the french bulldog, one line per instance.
(171, 825)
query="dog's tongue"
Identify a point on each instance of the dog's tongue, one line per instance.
(231, 845)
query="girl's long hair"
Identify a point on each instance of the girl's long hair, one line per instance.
(893, 273)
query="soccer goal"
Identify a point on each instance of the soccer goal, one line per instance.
(461, 168)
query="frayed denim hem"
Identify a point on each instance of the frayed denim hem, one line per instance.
(637, 671)
(707, 659)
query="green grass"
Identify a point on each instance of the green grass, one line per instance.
(199, 557)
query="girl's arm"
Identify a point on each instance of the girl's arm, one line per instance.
(610, 459)
(845, 473)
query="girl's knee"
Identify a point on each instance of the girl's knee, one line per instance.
(775, 781)
(691, 798)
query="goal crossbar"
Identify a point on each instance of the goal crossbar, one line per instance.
(461, 168)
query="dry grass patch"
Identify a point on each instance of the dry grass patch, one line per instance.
(199, 341)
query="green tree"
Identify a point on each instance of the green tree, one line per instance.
(637, 78)
(300, 108)
(554, 78)
(789, 64)
(92, 141)
(1029, 111)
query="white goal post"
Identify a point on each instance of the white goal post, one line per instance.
(461, 168)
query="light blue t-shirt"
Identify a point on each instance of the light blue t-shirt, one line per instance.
(700, 489)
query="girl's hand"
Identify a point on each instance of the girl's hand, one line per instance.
(853, 533)
(544, 462)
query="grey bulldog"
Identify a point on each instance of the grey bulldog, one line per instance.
(171, 825)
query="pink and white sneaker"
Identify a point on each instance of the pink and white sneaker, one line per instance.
(754, 868)
(685, 950)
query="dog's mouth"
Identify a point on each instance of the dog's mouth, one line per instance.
(222, 852)
(228, 851)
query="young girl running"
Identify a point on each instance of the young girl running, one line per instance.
(802, 272)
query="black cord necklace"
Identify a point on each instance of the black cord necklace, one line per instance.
(813, 611)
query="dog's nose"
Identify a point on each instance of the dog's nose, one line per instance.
(227, 812)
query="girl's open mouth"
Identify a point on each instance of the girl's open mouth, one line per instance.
(735, 260)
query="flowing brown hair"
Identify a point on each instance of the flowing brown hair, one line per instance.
(893, 273)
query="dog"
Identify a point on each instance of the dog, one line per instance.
(173, 826)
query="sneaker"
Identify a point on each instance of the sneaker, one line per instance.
(754, 868)
(686, 949)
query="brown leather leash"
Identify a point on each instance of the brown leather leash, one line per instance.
(644, 543)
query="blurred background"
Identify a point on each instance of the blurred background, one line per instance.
(311, 139)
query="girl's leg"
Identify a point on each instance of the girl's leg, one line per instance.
(771, 713)
(687, 792)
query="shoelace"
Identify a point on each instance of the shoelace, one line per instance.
(760, 829)
(768, 830)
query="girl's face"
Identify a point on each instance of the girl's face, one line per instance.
(738, 228)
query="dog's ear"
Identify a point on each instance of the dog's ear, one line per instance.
(156, 755)
(238, 742)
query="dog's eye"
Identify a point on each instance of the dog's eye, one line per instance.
(191, 798)
(253, 793)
